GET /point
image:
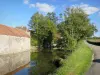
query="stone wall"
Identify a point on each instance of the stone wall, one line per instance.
(13, 44)
(14, 52)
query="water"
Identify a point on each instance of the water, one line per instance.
(26, 69)
(42, 63)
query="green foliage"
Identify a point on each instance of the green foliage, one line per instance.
(78, 23)
(78, 62)
(42, 25)
(34, 42)
(66, 42)
(52, 17)
(76, 26)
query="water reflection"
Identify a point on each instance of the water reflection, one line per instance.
(23, 72)
(26, 70)
(42, 63)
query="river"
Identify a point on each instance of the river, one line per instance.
(42, 63)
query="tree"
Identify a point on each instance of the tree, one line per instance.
(78, 23)
(76, 26)
(52, 16)
(44, 29)
(66, 41)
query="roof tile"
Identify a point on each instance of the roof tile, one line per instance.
(5, 30)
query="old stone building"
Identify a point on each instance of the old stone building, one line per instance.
(14, 48)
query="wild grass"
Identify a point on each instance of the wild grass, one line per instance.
(78, 62)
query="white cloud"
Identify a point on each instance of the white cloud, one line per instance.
(32, 5)
(88, 9)
(43, 7)
(26, 1)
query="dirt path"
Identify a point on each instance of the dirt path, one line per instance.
(95, 68)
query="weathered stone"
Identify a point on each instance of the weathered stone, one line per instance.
(14, 52)
(10, 62)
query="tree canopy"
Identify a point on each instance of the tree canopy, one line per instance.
(43, 28)
(75, 26)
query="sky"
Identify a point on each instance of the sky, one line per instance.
(18, 12)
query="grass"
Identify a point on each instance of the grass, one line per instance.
(78, 62)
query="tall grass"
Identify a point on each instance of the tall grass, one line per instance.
(78, 62)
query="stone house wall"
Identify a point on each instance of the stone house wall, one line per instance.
(14, 52)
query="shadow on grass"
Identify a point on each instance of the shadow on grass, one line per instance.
(94, 43)
(96, 60)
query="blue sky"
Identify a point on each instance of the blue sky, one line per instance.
(18, 12)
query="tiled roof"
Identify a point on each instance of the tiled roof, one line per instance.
(5, 30)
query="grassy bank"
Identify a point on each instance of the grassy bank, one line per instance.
(78, 62)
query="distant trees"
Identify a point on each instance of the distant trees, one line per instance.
(22, 27)
(75, 26)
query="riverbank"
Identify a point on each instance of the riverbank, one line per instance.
(78, 62)
(60, 62)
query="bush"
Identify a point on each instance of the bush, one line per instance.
(34, 42)
(66, 43)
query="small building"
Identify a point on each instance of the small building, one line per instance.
(14, 48)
